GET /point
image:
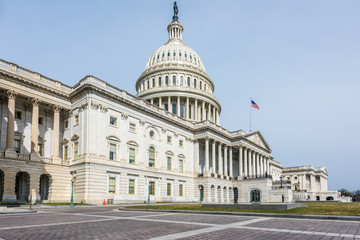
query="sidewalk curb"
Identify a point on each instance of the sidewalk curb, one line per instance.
(276, 215)
(18, 212)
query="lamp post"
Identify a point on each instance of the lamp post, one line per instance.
(72, 193)
(148, 203)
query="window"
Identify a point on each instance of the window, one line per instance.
(169, 163)
(112, 184)
(132, 127)
(169, 139)
(194, 83)
(174, 108)
(181, 190)
(167, 80)
(158, 56)
(179, 54)
(76, 150)
(190, 57)
(148, 84)
(181, 165)
(168, 189)
(151, 157)
(159, 81)
(41, 120)
(132, 155)
(181, 143)
(168, 54)
(17, 145)
(163, 55)
(113, 121)
(112, 154)
(131, 186)
(166, 107)
(18, 115)
(40, 149)
(152, 134)
(76, 119)
(65, 155)
(174, 81)
(174, 54)
(181, 80)
(66, 124)
(153, 82)
(151, 188)
(188, 81)
(185, 55)
(200, 85)
(182, 110)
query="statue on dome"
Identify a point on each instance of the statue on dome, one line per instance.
(176, 11)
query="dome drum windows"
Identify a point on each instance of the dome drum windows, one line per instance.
(160, 82)
(151, 157)
(167, 80)
(181, 81)
(188, 81)
(174, 80)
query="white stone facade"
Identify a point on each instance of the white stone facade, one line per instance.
(106, 144)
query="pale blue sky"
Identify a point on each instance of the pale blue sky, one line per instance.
(298, 60)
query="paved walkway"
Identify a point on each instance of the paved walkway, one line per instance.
(111, 223)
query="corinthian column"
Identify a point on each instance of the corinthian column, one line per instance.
(225, 161)
(35, 127)
(56, 135)
(10, 152)
(230, 163)
(206, 156)
(240, 162)
(213, 157)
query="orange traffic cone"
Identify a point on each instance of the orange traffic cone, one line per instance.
(104, 203)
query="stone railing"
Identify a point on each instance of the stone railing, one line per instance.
(256, 177)
(33, 75)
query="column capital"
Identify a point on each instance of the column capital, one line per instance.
(35, 101)
(11, 94)
(56, 108)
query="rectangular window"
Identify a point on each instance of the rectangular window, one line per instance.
(17, 145)
(169, 163)
(132, 155)
(182, 111)
(166, 107)
(151, 157)
(181, 190)
(18, 115)
(181, 165)
(113, 121)
(132, 127)
(181, 143)
(76, 151)
(65, 155)
(112, 184)
(174, 108)
(66, 124)
(112, 154)
(40, 149)
(169, 139)
(151, 188)
(41, 120)
(132, 186)
(168, 189)
(76, 120)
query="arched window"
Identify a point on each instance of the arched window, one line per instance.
(153, 82)
(168, 54)
(181, 80)
(188, 81)
(148, 84)
(194, 83)
(158, 56)
(174, 54)
(151, 157)
(185, 55)
(174, 80)
(160, 82)
(163, 55)
(179, 53)
(200, 85)
(190, 57)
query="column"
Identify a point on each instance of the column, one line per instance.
(240, 162)
(213, 157)
(246, 163)
(225, 161)
(196, 157)
(56, 135)
(250, 163)
(214, 117)
(196, 110)
(230, 163)
(10, 124)
(253, 163)
(169, 104)
(178, 107)
(206, 155)
(160, 103)
(187, 112)
(209, 112)
(152, 101)
(203, 111)
(257, 164)
(35, 127)
(217, 117)
(268, 165)
(220, 160)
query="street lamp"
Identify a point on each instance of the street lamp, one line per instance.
(72, 193)
(148, 203)
(281, 180)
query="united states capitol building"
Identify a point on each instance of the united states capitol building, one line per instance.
(102, 143)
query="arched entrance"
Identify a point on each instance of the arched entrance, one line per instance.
(236, 195)
(317, 198)
(1, 185)
(329, 198)
(255, 195)
(44, 186)
(201, 193)
(22, 186)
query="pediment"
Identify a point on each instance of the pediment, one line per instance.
(258, 139)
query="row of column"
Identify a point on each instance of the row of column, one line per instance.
(199, 110)
(9, 151)
(252, 164)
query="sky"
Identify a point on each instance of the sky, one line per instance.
(298, 60)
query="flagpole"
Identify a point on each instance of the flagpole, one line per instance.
(250, 114)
